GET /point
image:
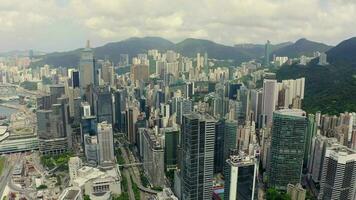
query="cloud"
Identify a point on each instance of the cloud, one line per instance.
(41, 24)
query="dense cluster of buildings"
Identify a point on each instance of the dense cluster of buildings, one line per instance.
(196, 120)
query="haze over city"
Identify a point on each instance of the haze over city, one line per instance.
(177, 100)
(59, 25)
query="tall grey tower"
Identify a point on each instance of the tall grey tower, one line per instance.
(86, 67)
(198, 133)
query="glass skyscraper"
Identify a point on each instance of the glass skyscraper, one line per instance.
(287, 147)
(198, 135)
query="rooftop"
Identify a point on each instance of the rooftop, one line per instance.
(291, 112)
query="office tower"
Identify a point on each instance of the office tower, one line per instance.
(153, 157)
(232, 90)
(287, 148)
(296, 192)
(244, 98)
(91, 149)
(267, 53)
(219, 146)
(319, 145)
(189, 90)
(52, 130)
(269, 100)
(338, 174)
(106, 144)
(74, 164)
(256, 105)
(311, 132)
(171, 139)
(120, 104)
(103, 108)
(107, 73)
(56, 91)
(86, 67)
(77, 102)
(131, 117)
(124, 60)
(139, 72)
(198, 134)
(241, 177)
(183, 106)
(75, 79)
(206, 64)
(44, 102)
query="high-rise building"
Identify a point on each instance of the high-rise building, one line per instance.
(311, 132)
(338, 174)
(171, 143)
(139, 72)
(120, 104)
(124, 60)
(241, 177)
(106, 144)
(103, 108)
(74, 164)
(287, 148)
(269, 100)
(198, 134)
(296, 192)
(75, 79)
(319, 145)
(267, 53)
(86, 67)
(153, 157)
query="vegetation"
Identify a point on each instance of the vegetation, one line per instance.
(60, 161)
(331, 88)
(119, 158)
(86, 197)
(135, 189)
(42, 187)
(157, 188)
(273, 194)
(2, 163)
(144, 180)
(123, 196)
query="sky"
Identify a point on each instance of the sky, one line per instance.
(59, 25)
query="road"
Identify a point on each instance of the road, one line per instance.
(135, 174)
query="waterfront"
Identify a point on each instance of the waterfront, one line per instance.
(5, 111)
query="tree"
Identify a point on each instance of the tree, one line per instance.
(86, 197)
(273, 194)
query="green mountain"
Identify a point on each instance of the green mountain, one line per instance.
(258, 50)
(190, 47)
(332, 88)
(301, 47)
(112, 51)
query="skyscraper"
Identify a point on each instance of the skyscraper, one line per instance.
(267, 53)
(86, 67)
(269, 100)
(139, 72)
(287, 148)
(339, 174)
(198, 134)
(241, 177)
(106, 144)
(103, 108)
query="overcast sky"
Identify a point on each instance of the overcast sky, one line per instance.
(57, 25)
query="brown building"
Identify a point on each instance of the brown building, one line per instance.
(139, 72)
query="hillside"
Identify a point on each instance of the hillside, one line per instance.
(330, 89)
(258, 50)
(301, 47)
(110, 51)
(190, 47)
